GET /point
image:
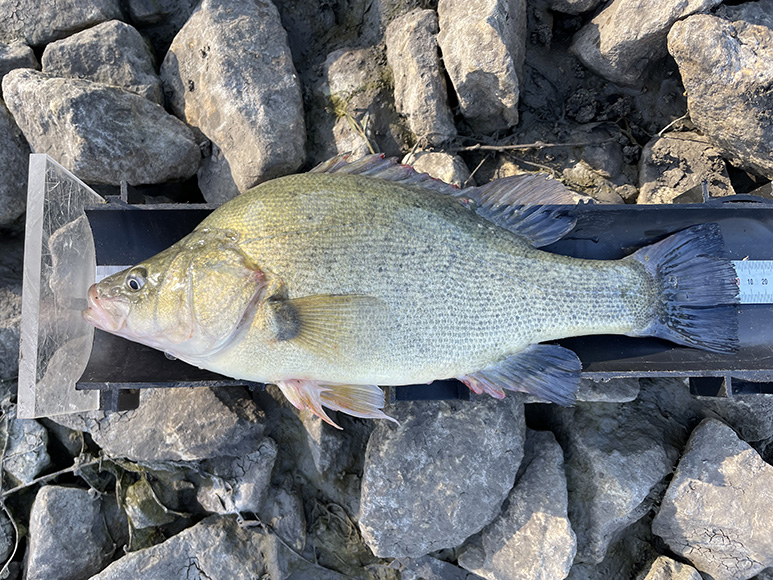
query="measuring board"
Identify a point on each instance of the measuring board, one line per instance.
(755, 281)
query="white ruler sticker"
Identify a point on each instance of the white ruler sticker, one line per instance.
(755, 281)
(105, 271)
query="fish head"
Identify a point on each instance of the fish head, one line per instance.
(190, 300)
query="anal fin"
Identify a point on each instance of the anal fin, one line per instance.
(547, 371)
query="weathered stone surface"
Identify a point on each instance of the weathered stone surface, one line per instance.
(14, 157)
(616, 454)
(483, 46)
(70, 533)
(608, 391)
(751, 416)
(16, 55)
(532, 537)
(583, 178)
(573, 6)
(420, 90)
(10, 325)
(37, 23)
(727, 70)
(626, 36)
(176, 425)
(159, 20)
(112, 53)
(238, 484)
(283, 512)
(676, 162)
(229, 73)
(718, 509)
(757, 12)
(215, 548)
(216, 181)
(665, 568)
(102, 134)
(441, 475)
(26, 453)
(440, 165)
(429, 568)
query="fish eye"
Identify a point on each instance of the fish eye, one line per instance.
(135, 279)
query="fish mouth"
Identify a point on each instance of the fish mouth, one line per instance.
(98, 315)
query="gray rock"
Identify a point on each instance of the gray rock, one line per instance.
(7, 537)
(26, 454)
(229, 73)
(619, 43)
(16, 55)
(751, 416)
(159, 20)
(38, 23)
(573, 6)
(10, 325)
(727, 102)
(102, 134)
(69, 537)
(283, 513)
(717, 509)
(14, 157)
(757, 12)
(532, 537)
(112, 53)
(215, 548)
(429, 568)
(608, 391)
(676, 162)
(483, 46)
(234, 485)
(440, 165)
(176, 425)
(216, 180)
(582, 178)
(665, 568)
(420, 90)
(441, 475)
(616, 455)
(144, 508)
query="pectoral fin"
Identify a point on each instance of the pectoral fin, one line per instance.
(549, 372)
(327, 325)
(364, 401)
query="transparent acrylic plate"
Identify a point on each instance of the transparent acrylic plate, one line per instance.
(59, 267)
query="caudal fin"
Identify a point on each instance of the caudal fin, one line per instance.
(697, 289)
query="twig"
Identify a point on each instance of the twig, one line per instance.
(43, 478)
(672, 123)
(527, 146)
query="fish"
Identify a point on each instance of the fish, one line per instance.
(364, 273)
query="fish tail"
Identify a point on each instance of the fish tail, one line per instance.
(697, 290)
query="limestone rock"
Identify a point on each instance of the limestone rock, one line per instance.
(159, 20)
(440, 165)
(38, 23)
(26, 454)
(441, 475)
(102, 134)
(608, 391)
(10, 325)
(532, 537)
(758, 12)
(112, 53)
(420, 90)
(665, 568)
(16, 55)
(429, 568)
(283, 512)
(14, 157)
(717, 511)
(676, 162)
(229, 73)
(73, 534)
(573, 6)
(483, 45)
(727, 70)
(626, 36)
(176, 425)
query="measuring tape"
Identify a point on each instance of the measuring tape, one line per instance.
(755, 281)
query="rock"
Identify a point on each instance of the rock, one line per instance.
(441, 475)
(608, 391)
(616, 456)
(758, 12)
(26, 454)
(159, 20)
(7, 537)
(235, 485)
(532, 537)
(440, 165)
(717, 510)
(112, 53)
(573, 6)
(483, 46)
(14, 156)
(420, 90)
(229, 73)
(215, 548)
(16, 55)
(665, 568)
(10, 326)
(626, 36)
(751, 416)
(727, 70)
(73, 534)
(283, 513)
(102, 134)
(216, 181)
(176, 425)
(583, 178)
(144, 508)
(37, 24)
(676, 162)
(429, 568)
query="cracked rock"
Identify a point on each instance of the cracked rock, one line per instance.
(103, 134)
(441, 475)
(16, 55)
(718, 509)
(420, 90)
(727, 70)
(26, 453)
(440, 165)
(14, 158)
(665, 568)
(112, 53)
(229, 74)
